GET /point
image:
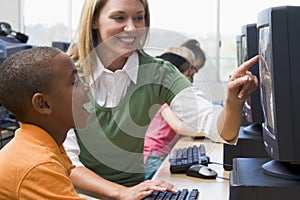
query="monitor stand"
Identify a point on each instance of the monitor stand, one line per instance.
(282, 170)
(249, 182)
(253, 129)
(250, 145)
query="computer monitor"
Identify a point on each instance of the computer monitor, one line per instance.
(279, 47)
(252, 107)
(61, 45)
(239, 49)
(9, 46)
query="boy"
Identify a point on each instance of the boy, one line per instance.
(41, 88)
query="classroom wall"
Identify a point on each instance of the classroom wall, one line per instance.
(9, 12)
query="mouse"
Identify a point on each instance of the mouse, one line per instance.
(201, 171)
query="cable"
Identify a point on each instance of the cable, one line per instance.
(227, 165)
(227, 179)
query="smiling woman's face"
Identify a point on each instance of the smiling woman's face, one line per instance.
(120, 26)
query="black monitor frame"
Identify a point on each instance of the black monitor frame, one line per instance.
(239, 49)
(281, 132)
(252, 108)
(64, 46)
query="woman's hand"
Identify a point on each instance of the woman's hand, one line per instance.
(242, 83)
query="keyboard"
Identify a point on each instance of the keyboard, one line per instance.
(182, 158)
(183, 194)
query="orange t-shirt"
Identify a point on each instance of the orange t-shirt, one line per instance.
(32, 166)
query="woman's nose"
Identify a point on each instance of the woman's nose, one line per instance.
(129, 26)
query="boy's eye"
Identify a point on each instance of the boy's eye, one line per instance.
(76, 82)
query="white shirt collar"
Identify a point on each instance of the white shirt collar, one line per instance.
(131, 68)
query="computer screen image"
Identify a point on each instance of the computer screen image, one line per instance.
(279, 66)
(252, 107)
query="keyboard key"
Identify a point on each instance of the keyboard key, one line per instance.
(183, 194)
(182, 158)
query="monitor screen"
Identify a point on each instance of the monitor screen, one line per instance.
(266, 80)
(279, 47)
(252, 108)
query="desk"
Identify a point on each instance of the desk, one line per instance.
(215, 189)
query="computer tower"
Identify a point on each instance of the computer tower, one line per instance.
(248, 182)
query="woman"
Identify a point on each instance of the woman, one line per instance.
(126, 84)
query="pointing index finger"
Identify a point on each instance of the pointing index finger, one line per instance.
(241, 71)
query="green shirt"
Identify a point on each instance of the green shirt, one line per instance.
(113, 142)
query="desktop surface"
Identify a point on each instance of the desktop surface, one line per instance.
(209, 189)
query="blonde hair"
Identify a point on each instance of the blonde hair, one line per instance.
(183, 52)
(88, 38)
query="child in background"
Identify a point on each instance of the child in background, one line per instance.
(165, 128)
(199, 56)
(41, 88)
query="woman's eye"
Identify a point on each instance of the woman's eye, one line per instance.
(119, 18)
(139, 18)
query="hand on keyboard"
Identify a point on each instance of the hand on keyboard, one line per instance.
(183, 194)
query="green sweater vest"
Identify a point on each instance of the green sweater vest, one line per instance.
(112, 144)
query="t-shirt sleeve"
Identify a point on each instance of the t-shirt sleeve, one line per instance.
(47, 181)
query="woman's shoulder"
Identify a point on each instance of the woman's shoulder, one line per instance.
(149, 60)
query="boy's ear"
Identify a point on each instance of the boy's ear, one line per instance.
(40, 104)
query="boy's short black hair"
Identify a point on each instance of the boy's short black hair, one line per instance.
(22, 75)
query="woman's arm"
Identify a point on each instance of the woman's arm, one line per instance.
(88, 182)
(241, 85)
(177, 124)
(219, 124)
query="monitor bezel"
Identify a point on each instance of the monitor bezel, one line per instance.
(282, 144)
